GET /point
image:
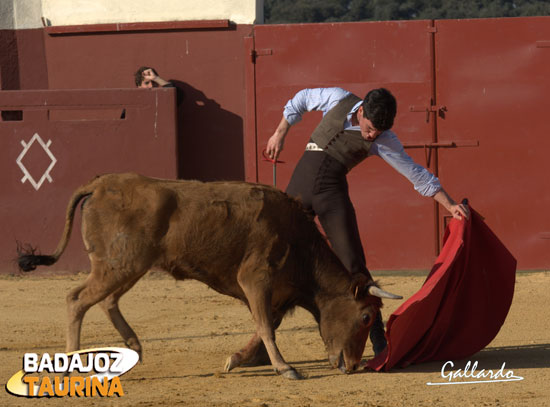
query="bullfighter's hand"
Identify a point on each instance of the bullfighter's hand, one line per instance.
(277, 140)
(460, 210)
(274, 147)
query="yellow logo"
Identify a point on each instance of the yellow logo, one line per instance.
(62, 374)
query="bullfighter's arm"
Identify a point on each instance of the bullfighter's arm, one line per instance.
(388, 147)
(306, 100)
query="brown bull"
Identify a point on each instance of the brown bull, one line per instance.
(249, 241)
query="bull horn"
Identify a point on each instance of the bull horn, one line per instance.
(378, 292)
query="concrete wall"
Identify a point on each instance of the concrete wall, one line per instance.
(22, 59)
(20, 14)
(71, 12)
(24, 14)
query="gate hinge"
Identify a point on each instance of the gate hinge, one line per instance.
(433, 108)
(255, 53)
(543, 44)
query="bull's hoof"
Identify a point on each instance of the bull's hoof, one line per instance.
(290, 373)
(232, 362)
(134, 344)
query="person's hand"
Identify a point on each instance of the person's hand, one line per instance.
(274, 146)
(149, 75)
(460, 210)
(277, 140)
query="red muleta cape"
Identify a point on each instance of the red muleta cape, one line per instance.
(461, 305)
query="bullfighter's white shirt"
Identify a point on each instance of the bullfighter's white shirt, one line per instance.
(386, 146)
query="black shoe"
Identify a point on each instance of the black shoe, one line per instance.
(377, 335)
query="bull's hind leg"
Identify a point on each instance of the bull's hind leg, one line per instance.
(256, 287)
(100, 283)
(110, 306)
(79, 300)
(253, 354)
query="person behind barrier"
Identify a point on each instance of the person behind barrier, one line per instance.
(146, 77)
(351, 130)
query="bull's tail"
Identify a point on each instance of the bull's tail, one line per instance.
(26, 257)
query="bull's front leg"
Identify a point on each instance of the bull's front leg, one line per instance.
(259, 299)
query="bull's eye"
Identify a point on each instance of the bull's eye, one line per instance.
(366, 319)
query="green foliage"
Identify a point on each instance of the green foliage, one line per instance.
(316, 11)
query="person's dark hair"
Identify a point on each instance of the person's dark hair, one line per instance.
(138, 76)
(380, 107)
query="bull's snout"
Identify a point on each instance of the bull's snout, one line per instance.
(335, 360)
(338, 361)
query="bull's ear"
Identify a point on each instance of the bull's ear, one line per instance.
(359, 285)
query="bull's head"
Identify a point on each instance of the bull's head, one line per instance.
(345, 324)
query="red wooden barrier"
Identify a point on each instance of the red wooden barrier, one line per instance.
(53, 141)
(493, 77)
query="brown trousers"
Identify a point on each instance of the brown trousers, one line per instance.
(319, 181)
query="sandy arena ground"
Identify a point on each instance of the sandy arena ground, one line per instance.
(188, 330)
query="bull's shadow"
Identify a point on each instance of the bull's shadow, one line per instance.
(210, 138)
(515, 357)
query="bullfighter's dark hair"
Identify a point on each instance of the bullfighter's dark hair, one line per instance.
(380, 107)
(138, 76)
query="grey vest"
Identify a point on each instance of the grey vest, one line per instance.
(348, 147)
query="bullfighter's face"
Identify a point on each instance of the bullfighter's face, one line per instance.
(367, 129)
(345, 333)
